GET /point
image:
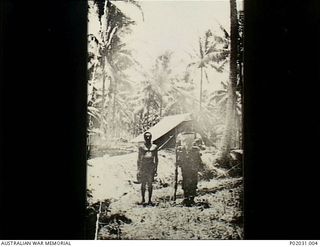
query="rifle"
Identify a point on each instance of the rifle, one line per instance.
(176, 178)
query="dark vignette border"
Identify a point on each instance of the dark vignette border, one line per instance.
(43, 119)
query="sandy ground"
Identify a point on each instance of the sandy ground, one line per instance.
(217, 214)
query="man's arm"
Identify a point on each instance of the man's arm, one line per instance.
(139, 164)
(139, 158)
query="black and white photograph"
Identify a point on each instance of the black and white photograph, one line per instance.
(164, 131)
(159, 120)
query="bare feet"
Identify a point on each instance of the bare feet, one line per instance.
(151, 203)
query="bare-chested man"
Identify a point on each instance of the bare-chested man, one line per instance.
(147, 166)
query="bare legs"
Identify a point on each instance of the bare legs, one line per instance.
(150, 192)
(143, 191)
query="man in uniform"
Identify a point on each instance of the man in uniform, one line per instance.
(188, 158)
(147, 166)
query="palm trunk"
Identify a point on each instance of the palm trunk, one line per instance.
(135, 124)
(229, 122)
(102, 127)
(148, 107)
(114, 107)
(236, 140)
(160, 106)
(239, 131)
(201, 77)
(141, 122)
(231, 102)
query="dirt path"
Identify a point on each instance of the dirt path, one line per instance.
(217, 214)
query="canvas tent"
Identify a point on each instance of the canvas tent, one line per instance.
(164, 132)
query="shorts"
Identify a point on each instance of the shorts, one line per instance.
(147, 172)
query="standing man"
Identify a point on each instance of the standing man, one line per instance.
(188, 158)
(147, 166)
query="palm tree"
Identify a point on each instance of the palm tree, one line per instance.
(112, 56)
(231, 92)
(213, 52)
(160, 77)
(219, 99)
(154, 89)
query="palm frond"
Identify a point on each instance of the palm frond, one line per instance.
(101, 5)
(93, 115)
(208, 34)
(93, 109)
(211, 49)
(201, 49)
(220, 67)
(192, 64)
(97, 101)
(135, 3)
(225, 85)
(223, 100)
(93, 38)
(226, 34)
(219, 92)
(206, 75)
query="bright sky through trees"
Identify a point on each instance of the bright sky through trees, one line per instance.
(174, 26)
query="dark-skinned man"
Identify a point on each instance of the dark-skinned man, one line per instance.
(147, 166)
